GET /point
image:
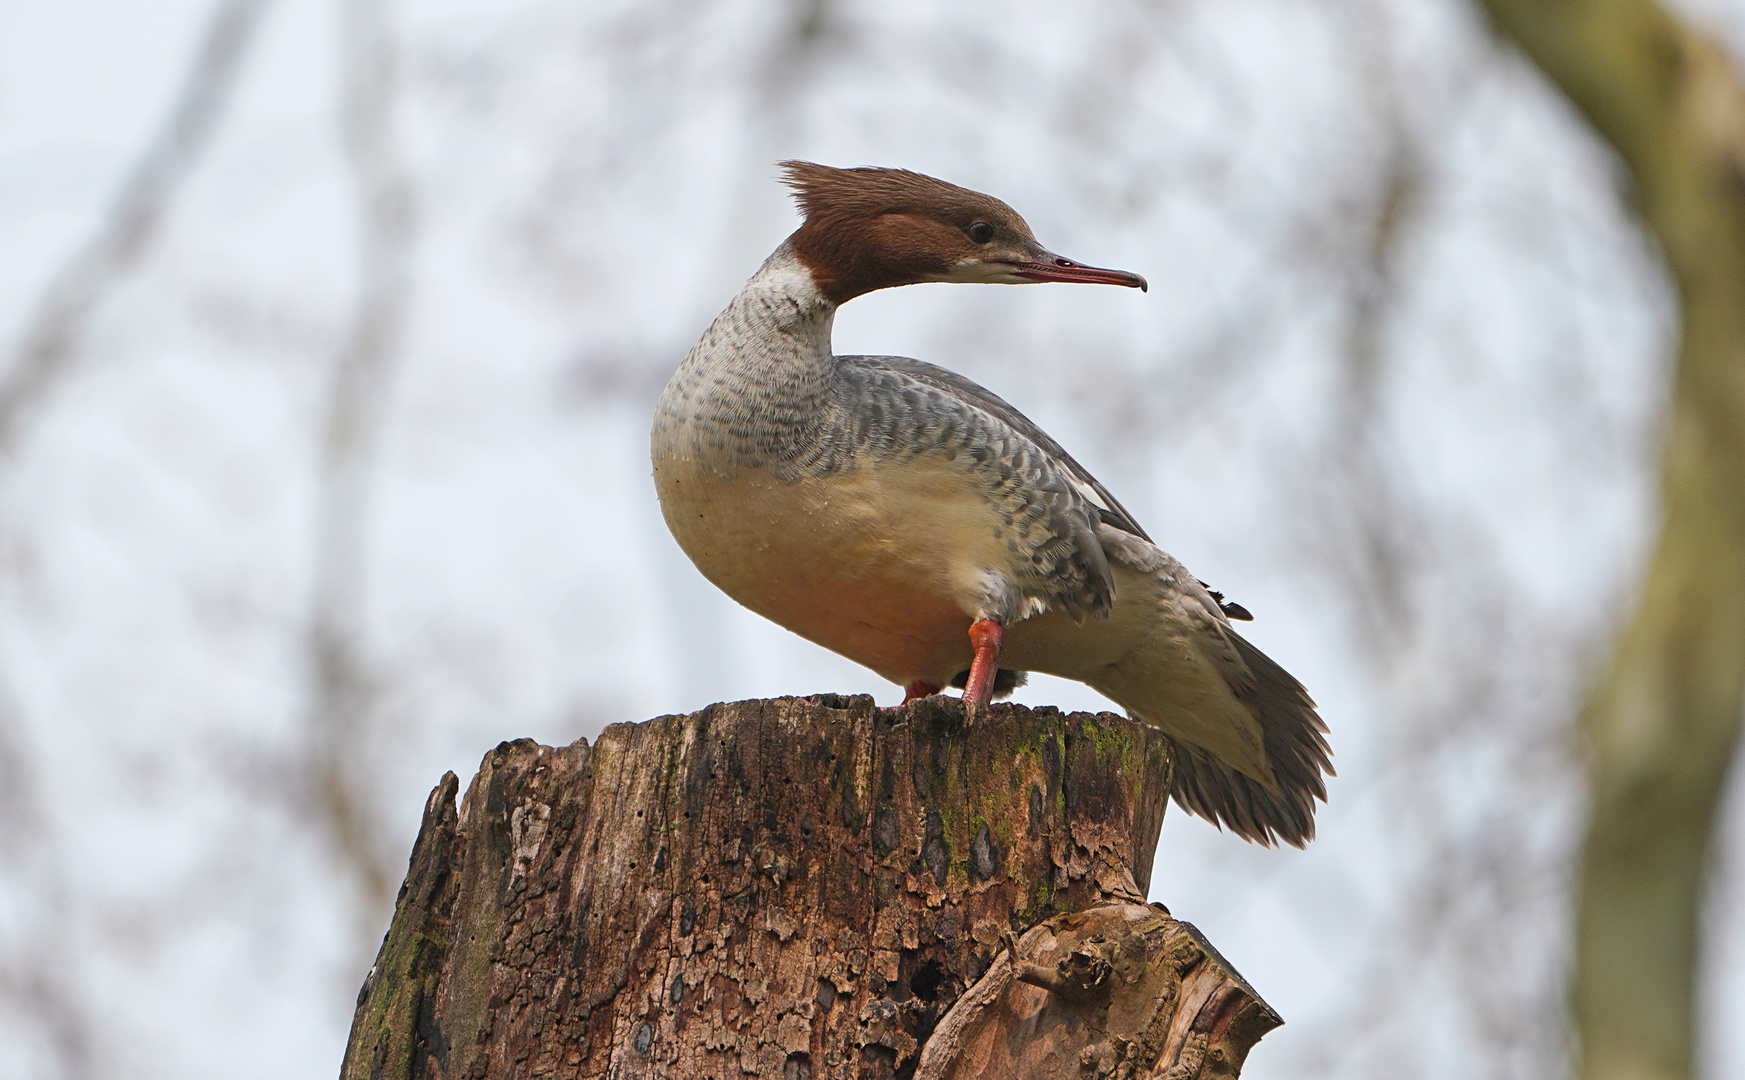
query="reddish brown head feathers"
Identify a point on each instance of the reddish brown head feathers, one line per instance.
(872, 229)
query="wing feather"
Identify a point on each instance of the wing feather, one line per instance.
(1109, 509)
(893, 408)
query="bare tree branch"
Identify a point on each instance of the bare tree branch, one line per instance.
(341, 689)
(37, 976)
(1455, 672)
(52, 337)
(35, 968)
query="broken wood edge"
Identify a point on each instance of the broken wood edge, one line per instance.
(1215, 1016)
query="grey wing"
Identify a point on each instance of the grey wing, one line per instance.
(1109, 509)
(891, 407)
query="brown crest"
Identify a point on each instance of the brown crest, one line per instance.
(871, 228)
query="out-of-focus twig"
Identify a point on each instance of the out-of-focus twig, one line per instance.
(1376, 539)
(36, 970)
(1459, 673)
(51, 338)
(341, 686)
(36, 977)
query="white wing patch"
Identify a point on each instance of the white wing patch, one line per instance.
(1090, 494)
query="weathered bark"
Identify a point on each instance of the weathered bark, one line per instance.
(799, 887)
(1663, 725)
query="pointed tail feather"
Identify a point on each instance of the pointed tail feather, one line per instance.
(1294, 738)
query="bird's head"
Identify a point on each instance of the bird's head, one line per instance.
(872, 229)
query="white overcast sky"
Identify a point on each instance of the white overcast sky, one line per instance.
(593, 181)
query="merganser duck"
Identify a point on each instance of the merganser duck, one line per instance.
(913, 521)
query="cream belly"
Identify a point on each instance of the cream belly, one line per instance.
(887, 565)
(884, 565)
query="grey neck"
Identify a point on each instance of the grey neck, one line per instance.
(750, 389)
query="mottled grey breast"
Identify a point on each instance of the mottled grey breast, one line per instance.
(745, 393)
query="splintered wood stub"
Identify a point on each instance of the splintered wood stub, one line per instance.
(1117, 990)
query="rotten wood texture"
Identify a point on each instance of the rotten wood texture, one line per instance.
(802, 887)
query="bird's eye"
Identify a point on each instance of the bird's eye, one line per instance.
(981, 232)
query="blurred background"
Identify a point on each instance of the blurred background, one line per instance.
(329, 337)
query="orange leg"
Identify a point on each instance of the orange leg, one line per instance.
(918, 689)
(985, 636)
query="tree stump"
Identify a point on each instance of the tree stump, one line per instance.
(803, 887)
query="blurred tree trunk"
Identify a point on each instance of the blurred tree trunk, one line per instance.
(1663, 723)
(797, 888)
